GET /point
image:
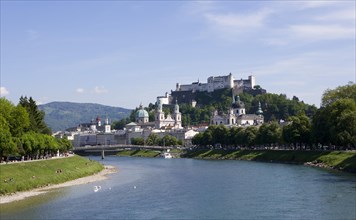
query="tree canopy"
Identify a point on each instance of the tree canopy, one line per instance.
(24, 132)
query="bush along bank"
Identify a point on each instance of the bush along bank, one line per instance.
(338, 160)
(15, 177)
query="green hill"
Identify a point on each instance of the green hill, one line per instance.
(62, 115)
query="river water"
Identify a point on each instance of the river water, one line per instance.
(157, 188)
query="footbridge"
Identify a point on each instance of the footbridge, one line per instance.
(113, 149)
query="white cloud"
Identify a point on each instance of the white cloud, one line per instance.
(3, 91)
(80, 90)
(100, 90)
(340, 15)
(231, 20)
(322, 32)
(316, 4)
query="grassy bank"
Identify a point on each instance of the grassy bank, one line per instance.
(139, 153)
(345, 161)
(26, 176)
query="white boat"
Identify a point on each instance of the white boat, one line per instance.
(167, 155)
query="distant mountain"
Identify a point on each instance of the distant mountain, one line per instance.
(62, 115)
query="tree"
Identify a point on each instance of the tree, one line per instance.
(250, 134)
(153, 140)
(169, 140)
(137, 141)
(269, 133)
(7, 146)
(342, 92)
(342, 119)
(20, 121)
(37, 123)
(298, 131)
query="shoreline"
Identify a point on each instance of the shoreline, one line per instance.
(102, 175)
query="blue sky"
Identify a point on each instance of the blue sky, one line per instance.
(122, 53)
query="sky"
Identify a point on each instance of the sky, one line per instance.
(123, 53)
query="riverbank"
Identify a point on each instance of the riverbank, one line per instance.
(337, 160)
(102, 175)
(18, 177)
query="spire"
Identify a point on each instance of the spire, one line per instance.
(176, 107)
(159, 106)
(233, 98)
(259, 111)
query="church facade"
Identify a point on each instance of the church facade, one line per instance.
(237, 115)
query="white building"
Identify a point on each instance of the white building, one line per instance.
(237, 115)
(218, 82)
(171, 121)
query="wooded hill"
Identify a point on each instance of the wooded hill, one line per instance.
(62, 115)
(274, 106)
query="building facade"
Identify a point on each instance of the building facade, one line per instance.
(237, 116)
(218, 82)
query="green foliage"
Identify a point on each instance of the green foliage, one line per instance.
(137, 141)
(23, 131)
(342, 92)
(37, 123)
(25, 176)
(339, 160)
(298, 130)
(274, 106)
(153, 140)
(139, 153)
(269, 133)
(62, 115)
(335, 122)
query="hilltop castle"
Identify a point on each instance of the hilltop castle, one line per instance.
(218, 82)
(186, 93)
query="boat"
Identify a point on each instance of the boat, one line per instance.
(167, 155)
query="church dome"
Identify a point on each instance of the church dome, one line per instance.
(141, 113)
(238, 103)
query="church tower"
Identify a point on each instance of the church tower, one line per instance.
(239, 107)
(177, 116)
(107, 125)
(159, 115)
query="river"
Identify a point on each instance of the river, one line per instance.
(157, 188)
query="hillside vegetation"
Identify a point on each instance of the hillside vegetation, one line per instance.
(63, 115)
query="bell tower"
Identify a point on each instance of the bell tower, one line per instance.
(159, 115)
(177, 116)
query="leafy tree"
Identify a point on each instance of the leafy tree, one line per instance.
(20, 121)
(153, 140)
(269, 133)
(341, 92)
(250, 134)
(236, 136)
(298, 131)
(7, 146)
(137, 141)
(119, 125)
(343, 122)
(169, 140)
